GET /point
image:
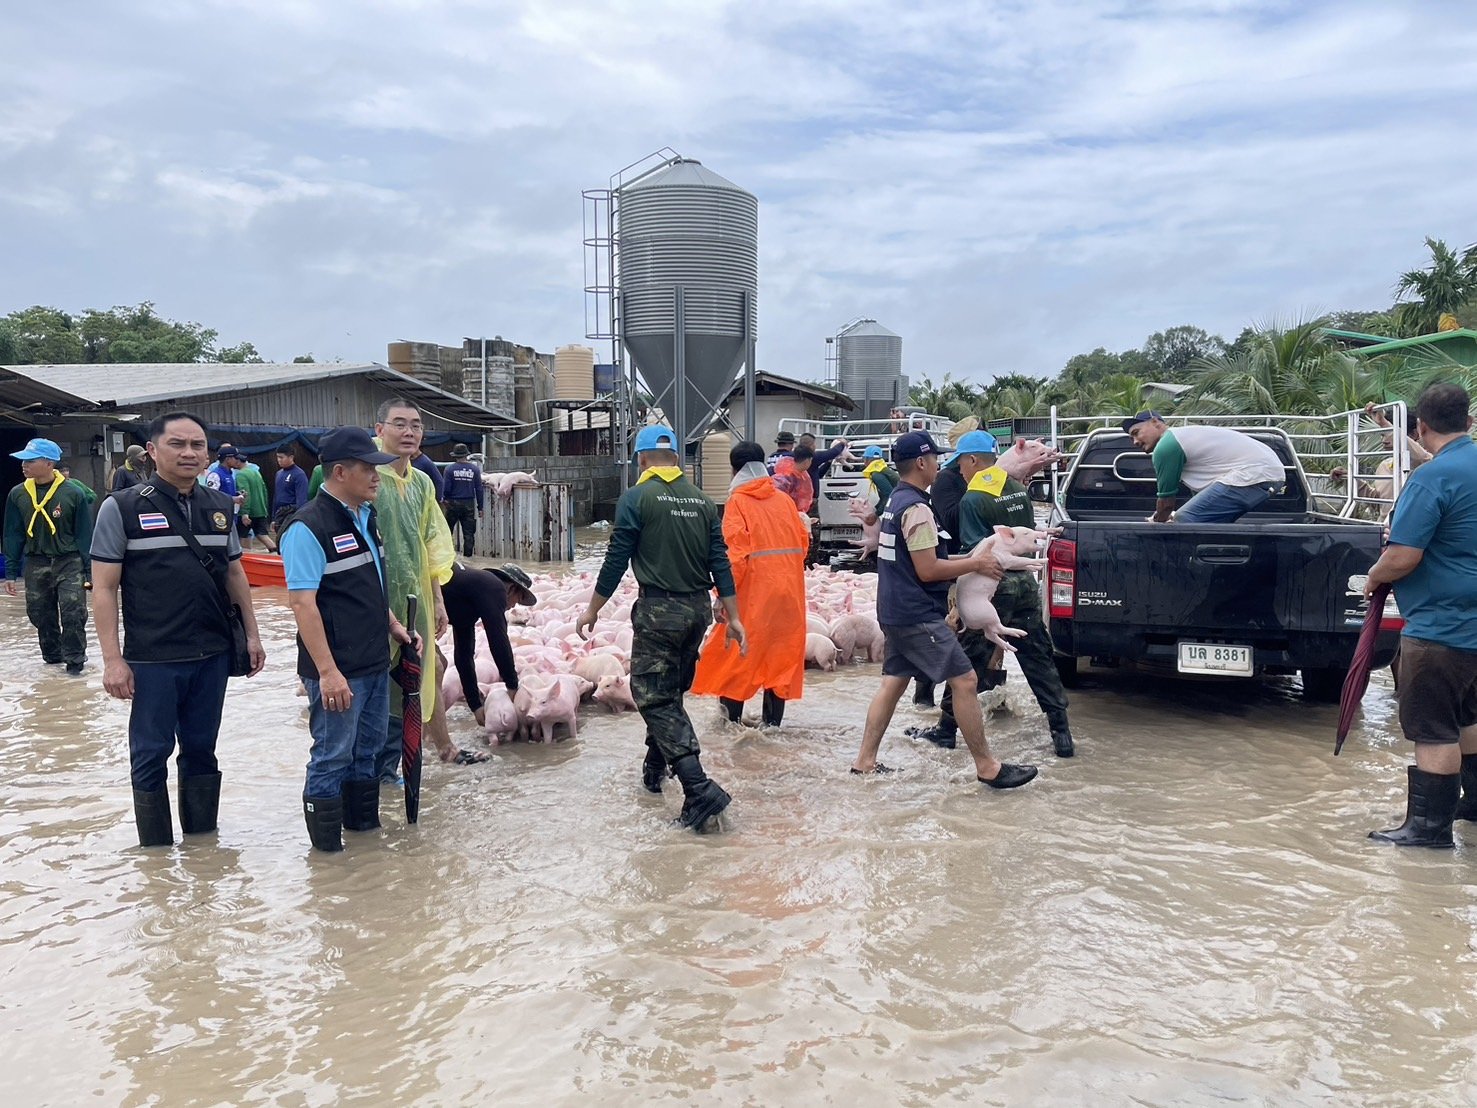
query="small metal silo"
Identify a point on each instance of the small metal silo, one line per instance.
(869, 367)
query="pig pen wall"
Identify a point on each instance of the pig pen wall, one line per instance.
(593, 481)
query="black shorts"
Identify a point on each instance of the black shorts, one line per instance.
(927, 650)
(1437, 691)
(256, 527)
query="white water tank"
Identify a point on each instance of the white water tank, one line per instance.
(574, 373)
(717, 473)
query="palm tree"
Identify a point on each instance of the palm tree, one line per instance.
(1280, 369)
(1447, 285)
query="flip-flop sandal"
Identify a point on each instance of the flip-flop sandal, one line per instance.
(878, 768)
(470, 758)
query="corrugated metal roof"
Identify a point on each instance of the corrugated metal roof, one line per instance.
(866, 327)
(773, 382)
(683, 172)
(120, 386)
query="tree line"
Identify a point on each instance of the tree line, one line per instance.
(41, 335)
(1283, 367)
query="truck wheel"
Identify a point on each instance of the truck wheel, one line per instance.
(1323, 685)
(1066, 668)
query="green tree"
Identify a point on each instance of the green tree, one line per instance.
(1174, 349)
(1289, 369)
(1446, 285)
(308, 359)
(242, 352)
(955, 399)
(138, 334)
(43, 336)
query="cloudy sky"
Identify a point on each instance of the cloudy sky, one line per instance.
(1004, 184)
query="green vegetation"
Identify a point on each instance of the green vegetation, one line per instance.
(40, 335)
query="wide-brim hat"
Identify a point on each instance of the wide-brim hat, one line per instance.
(516, 576)
(785, 438)
(962, 428)
(460, 450)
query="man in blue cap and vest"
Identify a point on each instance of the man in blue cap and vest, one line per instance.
(672, 537)
(48, 525)
(913, 577)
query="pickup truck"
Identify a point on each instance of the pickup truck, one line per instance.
(1279, 591)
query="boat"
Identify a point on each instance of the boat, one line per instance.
(264, 570)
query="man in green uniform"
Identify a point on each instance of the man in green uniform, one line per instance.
(992, 500)
(672, 536)
(255, 518)
(48, 521)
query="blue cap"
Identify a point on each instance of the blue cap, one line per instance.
(915, 444)
(872, 453)
(39, 448)
(1141, 417)
(657, 437)
(974, 442)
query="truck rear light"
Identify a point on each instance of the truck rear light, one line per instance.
(1390, 618)
(1061, 579)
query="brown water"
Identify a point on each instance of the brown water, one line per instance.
(1186, 913)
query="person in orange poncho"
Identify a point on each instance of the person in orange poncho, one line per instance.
(792, 476)
(767, 541)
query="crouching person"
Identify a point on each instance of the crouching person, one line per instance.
(335, 567)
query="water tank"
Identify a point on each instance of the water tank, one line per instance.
(869, 367)
(717, 473)
(684, 226)
(574, 373)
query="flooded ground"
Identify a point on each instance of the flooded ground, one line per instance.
(1186, 913)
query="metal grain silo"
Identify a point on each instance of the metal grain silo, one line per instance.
(869, 367)
(687, 264)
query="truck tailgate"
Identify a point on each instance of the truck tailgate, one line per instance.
(1223, 579)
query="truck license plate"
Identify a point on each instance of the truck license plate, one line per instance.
(1218, 658)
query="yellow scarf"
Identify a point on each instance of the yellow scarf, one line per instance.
(39, 508)
(666, 473)
(989, 481)
(876, 465)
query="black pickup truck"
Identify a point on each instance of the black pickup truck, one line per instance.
(1279, 591)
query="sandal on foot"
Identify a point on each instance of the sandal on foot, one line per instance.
(469, 758)
(878, 768)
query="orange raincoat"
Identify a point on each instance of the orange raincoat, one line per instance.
(767, 542)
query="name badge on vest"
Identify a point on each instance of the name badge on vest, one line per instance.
(153, 521)
(345, 544)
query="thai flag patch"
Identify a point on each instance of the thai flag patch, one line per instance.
(153, 521)
(345, 544)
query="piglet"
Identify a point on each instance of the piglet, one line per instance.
(856, 632)
(595, 666)
(1027, 457)
(820, 650)
(558, 703)
(615, 693)
(500, 717)
(507, 482)
(976, 592)
(870, 531)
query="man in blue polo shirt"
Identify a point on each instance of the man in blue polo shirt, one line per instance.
(335, 567)
(1432, 562)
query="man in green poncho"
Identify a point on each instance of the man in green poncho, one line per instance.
(418, 559)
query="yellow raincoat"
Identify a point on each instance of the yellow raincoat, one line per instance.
(418, 551)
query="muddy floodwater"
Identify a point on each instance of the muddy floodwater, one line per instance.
(1185, 913)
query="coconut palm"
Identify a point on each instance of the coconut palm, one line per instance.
(1279, 369)
(1446, 285)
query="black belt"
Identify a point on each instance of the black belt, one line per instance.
(667, 594)
(53, 557)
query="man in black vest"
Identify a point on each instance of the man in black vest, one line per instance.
(913, 575)
(176, 658)
(335, 567)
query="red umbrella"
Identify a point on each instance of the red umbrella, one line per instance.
(1358, 679)
(408, 676)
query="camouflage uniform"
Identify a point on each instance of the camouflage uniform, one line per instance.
(54, 593)
(668, 632)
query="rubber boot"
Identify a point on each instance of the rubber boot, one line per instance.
(324, 816)
(1467, 807)
(653, 771)
(1061, 734)
(923, 693)
(151, 813)
(940, 734)
(199, 802)
(734, 708)
(774, 710)
(361, 799)
(705, 798)
(1429, 808)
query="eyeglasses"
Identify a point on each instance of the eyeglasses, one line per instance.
(406, 425)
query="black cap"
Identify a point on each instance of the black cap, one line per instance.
(1140, 417)
(915, 444)
(785, 438)
(227, 452)
(518, 577)
(344, 444)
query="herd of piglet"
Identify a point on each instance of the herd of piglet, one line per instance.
(557, 670)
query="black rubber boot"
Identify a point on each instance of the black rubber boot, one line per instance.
(923, 693)
(151, 813)
(734, 708)
(1429, 808)
(199, 802)
(774, 710)
(361, 800)
(1467, 807)
(324, 816)
(940, 734)
(1061, 734)
(705, 798)
(654, 770)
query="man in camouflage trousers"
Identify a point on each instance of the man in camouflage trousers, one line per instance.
(671, 535)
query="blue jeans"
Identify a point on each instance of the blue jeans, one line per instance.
(345, 743)
(175, 702)
(387, 766)
(1218, 503)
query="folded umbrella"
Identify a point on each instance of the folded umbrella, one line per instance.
(1357, 680)
(408, 676)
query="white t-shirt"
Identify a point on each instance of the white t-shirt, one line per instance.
(1230, 457)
